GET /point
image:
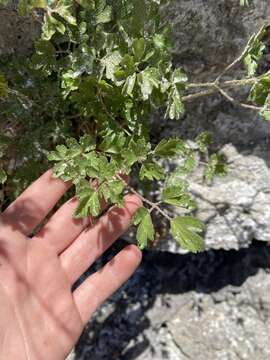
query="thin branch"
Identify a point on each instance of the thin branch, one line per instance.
(148, 202)
(228, 83)
(253, 38)
(155, 206)
(199, 94)
(230, 66)
(234, 101)
(214, 87)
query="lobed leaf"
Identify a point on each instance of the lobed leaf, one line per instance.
(186, 232)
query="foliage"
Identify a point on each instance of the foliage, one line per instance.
(83, 100)
(244, 2)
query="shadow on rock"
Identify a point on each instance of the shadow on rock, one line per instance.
(118, 329)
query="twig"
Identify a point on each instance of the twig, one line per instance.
(217, 87)
(234, 101)
(153, 205)
(228, 83)
(253, 38)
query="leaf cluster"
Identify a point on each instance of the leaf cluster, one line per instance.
(83, 101)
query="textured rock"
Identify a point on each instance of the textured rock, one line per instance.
(235, 208)
(210, 306)
(209, 34)
(207, 37)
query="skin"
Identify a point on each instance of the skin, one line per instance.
(40, 317)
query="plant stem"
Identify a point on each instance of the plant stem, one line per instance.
(229, 83)
(234, 101)
(215, 86)
(148, 202)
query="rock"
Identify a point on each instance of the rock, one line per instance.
(227, 328)
(210, 306)
(235, 208)
(208, 35)
(239, 201)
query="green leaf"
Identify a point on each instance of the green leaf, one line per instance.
(3, 176)
(160, 41)
(3, 86)
(45, 57)
(254, 51)
(151, 171)
(104, 14)
(113, 143)
(74, 148)
(145, 230)
(138, 48)
(137, 150)
(51, 26)
(177, 195)
(113, 191)
(87, 143)
(170, 147)
(110, 62)
(179, 76)
(216, 167)
(260, 90)
(129, 85)
(63, 10)
(175, 107)
(265, 114)
(204, 140)
(186, 232)
(89, 200)
(139, 215)
(148, 80)
(244, 2)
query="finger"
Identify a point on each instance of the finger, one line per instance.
(99, 286)
(62, 228)
(31, 207)
(92, 242)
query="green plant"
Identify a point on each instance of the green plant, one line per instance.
(99, 70)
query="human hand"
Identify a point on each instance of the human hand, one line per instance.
(40, 318)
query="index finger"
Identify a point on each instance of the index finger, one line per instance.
(32, 206)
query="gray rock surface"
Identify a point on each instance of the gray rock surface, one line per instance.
(209, 34)
(210, 306)
(236, 208)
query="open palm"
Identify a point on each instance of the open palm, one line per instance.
(40, 317)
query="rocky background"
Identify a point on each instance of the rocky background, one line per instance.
(214, 305)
